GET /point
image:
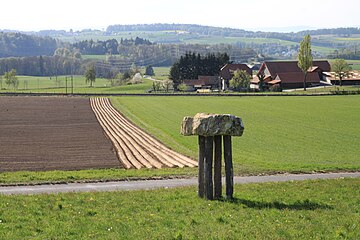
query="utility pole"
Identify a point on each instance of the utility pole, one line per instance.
(66, 79)
(72, 85)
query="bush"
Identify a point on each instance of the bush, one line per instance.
(275, 88)
(182, 87)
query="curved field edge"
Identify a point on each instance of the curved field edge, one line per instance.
(275, 140)
(321, 209)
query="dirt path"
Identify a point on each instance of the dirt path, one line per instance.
(134, 147)
(154, 184)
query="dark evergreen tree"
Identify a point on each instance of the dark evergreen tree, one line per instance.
(149, 71)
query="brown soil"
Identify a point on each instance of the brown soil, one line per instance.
(134, 147)
(52, 133)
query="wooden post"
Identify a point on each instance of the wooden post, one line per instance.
(209, 141)
(217, 167)
(201, 166)
(228, 167)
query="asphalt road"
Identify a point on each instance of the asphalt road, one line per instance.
(154, 184)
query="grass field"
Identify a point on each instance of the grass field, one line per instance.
(58, 85)
(327, 89)
(281, 134)
(324, 209)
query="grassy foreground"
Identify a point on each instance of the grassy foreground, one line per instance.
(323, 209)
(281, 133)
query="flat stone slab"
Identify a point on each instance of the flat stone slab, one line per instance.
(207, 125)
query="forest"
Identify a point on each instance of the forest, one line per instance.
(192, 65)
(21, 45)
(111, 46)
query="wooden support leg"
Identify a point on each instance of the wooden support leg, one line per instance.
(201, 166)
(228, 167)
(217, 167)
(209, 193)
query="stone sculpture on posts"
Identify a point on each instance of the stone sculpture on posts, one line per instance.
(213, 129)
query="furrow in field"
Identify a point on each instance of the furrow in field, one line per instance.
(121, 150)
(135, 148)
(160, 155)
(160, 148)
(168, 161)
(129, 143)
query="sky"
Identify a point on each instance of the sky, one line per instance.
(34, 15)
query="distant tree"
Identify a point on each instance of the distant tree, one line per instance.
(11, 79)
(156, 86)
(305, 59)
(126, 75)
(175, 75)
(120, 79)
(90, 74)
(149, 71)
(240, 80)
(41, 66)
(167, 84)
(261, 77)
(341, 69)
(134, 69)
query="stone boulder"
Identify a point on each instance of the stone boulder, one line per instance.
(212, 125)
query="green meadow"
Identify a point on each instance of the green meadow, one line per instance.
(63, 84)
(322, 209)
(282, 134)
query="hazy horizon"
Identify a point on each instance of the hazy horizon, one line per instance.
(277, 15)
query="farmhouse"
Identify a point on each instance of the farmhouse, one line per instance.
(289, 75)
(227, 72)
(203, 82)
(352, 79)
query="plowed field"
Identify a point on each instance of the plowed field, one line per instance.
(134, 147)
(52, 133)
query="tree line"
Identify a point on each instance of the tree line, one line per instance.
(111, 46)
(21, 45)
(42, 65)
(192, 65)
(229, 32)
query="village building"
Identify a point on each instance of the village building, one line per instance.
(203, 83)
(353, 78)
(288, 74)
(227, 72)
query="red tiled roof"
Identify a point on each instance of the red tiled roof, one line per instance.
(291, 67)
(274, 81)
(267, 78)
(313, 68)
(298, 77)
